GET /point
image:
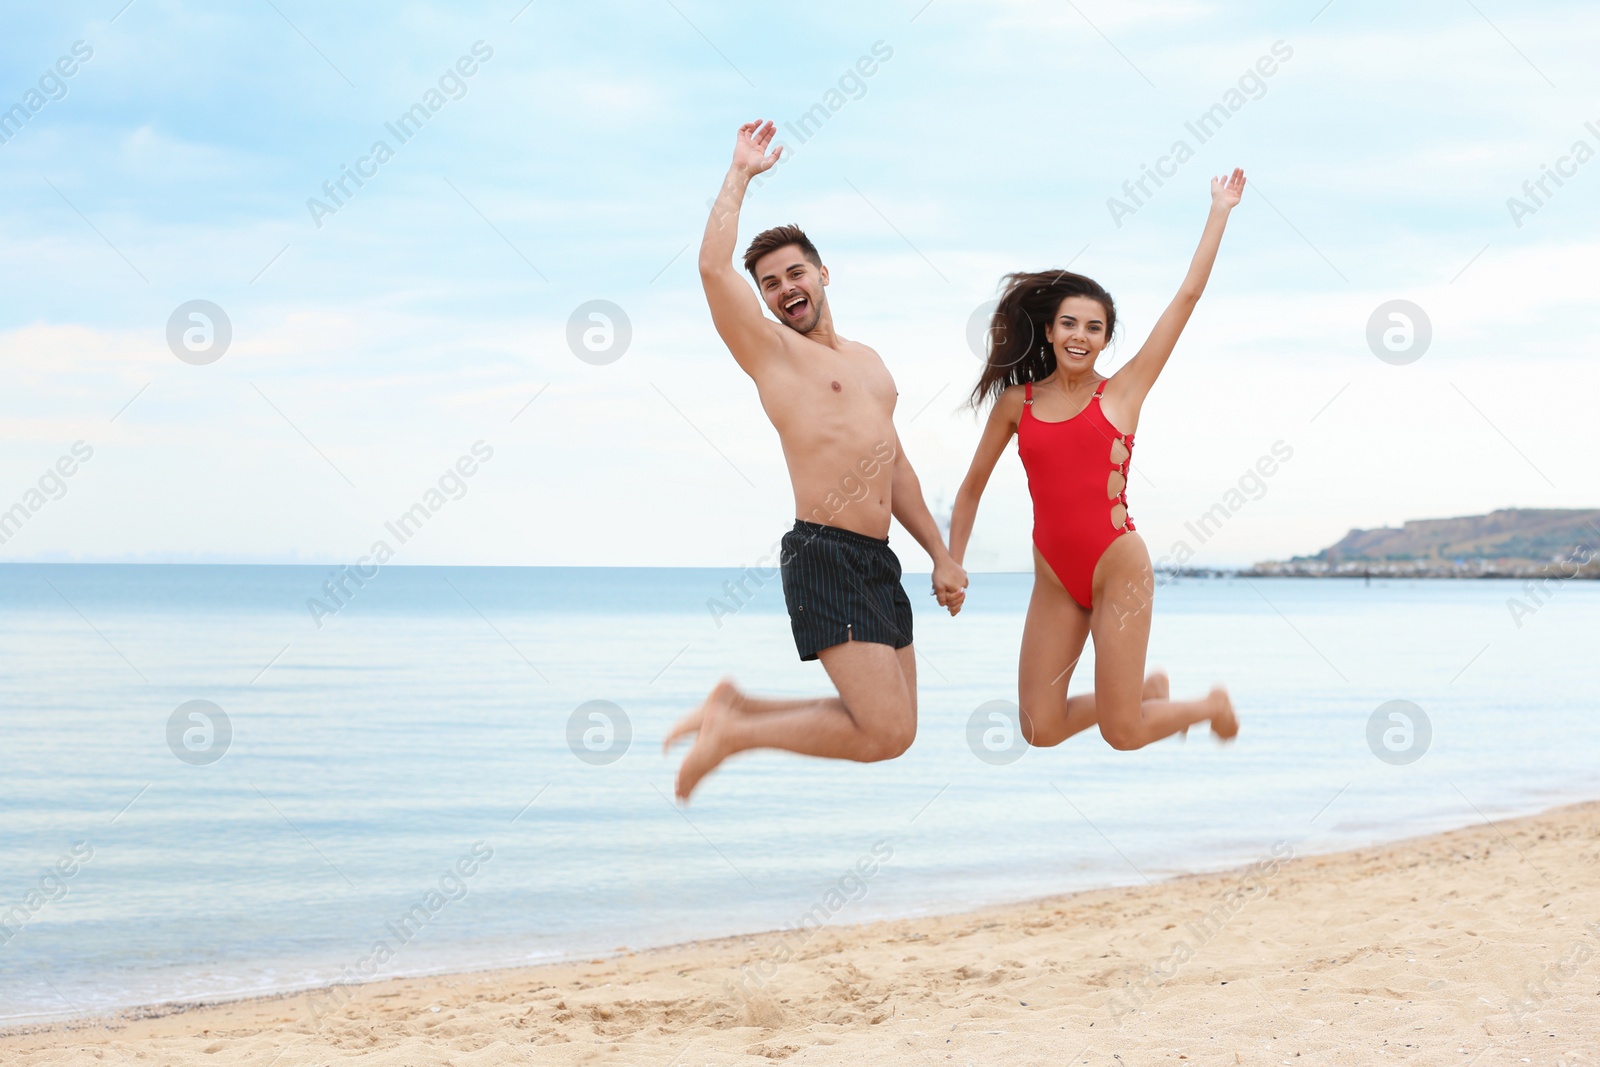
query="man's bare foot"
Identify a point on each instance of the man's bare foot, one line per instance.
(1224, 723)
(712, 743)
(724, 691)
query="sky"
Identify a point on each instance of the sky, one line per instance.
(387, 337)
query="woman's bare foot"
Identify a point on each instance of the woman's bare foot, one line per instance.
(724, 692)
(1224, 723)
(1157, 686)
(713, 738)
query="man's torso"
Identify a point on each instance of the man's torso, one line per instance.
(834, 413)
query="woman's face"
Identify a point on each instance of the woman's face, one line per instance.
(1077, 333)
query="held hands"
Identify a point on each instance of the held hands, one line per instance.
(1226, 192)
(950, 584)
(750, 155)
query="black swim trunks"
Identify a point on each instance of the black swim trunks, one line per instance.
(842, 586)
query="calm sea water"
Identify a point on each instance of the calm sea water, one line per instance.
(408, 776)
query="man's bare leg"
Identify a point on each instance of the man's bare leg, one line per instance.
(873, 718)
(726, 692)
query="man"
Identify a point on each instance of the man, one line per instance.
(832, 402)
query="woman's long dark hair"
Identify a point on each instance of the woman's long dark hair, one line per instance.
(1016, 350)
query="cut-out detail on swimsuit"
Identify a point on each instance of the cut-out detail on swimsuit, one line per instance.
(1076, 515)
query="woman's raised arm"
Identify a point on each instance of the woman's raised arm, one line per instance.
(1132, 383)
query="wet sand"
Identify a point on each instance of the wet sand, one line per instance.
(1477, 947)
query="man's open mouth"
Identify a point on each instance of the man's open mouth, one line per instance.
(796, 307)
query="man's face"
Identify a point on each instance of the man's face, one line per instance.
(792, 287)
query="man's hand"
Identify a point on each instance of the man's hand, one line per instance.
(750, 150)
(950, 584)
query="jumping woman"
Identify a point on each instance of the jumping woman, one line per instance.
(1074, 431)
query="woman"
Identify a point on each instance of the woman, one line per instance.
(1074, 431)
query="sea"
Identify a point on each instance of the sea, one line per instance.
(225, 781)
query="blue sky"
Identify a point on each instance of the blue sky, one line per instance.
(574, 164)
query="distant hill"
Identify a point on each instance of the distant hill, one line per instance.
(1513, 543)
(1511, 535)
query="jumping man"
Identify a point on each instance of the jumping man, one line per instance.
(832, 402)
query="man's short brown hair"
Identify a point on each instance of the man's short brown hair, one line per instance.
(776, 238)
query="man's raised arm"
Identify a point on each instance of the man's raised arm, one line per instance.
(735, 310)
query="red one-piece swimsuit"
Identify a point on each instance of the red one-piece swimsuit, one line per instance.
(1078, 477)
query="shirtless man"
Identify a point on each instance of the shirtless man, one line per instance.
(832, 403)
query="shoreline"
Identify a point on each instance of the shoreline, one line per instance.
(691, 985)
(1541, 572)
(930, 912)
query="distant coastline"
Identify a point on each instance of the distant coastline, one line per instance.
(1297, 568)
(1525, 543)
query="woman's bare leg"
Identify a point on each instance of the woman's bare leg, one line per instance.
(1052, 643)
(1124, 585)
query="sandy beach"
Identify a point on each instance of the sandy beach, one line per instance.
(1476, 947)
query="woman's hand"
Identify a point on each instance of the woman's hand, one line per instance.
(950, 584)
(1225, 192)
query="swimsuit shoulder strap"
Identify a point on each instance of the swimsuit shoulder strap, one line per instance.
(1027, 392)
(1100, 388)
